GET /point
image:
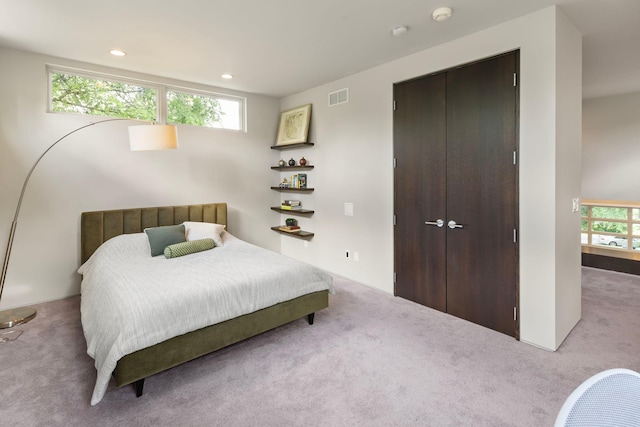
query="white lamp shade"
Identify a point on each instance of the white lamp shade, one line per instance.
(153, 137)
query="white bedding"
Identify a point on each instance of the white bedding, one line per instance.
(131, 300)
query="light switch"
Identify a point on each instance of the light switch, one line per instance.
(576, 204)
(348, 209)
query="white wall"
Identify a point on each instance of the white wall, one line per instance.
(568, 172)
(611, 149)
(94, 170)
(353, 158)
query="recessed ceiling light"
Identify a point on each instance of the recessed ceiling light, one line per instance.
(399, 31)
(117, 52)
(441, 14)
(227, 76)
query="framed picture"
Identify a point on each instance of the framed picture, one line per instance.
(294, 125)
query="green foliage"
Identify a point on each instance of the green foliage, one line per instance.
(85, 95)
(190, 109)
(609, 226)
(608, 213)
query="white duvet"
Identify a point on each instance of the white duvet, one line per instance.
(131, 300)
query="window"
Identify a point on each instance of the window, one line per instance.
(94, 94)
(611, 225)
(190, 108)
(74, 93)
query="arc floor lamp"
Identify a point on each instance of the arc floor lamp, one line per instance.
(141, 138)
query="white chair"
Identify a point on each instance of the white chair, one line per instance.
(610, 398)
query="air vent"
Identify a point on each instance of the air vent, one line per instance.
(339, 97)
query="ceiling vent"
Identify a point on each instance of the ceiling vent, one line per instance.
(339, 97)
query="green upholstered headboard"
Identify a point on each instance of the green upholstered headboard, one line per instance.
(98, 227)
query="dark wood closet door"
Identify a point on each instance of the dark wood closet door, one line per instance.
(482, 193)
(455, 138)
(420, 190)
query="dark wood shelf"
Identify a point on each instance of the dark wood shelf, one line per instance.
(293, 211)
(286, 168)
(305, 235)
(304, 190)
(291, 146)
(300, 234)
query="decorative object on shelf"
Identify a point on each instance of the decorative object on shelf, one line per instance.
(291, 222)
(294, 125)
(302, 180)
(141, 138)
(303, 162)
(291, 205)
(292, 162)
(290, 228)
(282, 163)
(284, 183)
(298, 180)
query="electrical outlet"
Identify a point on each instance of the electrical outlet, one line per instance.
(356, 257)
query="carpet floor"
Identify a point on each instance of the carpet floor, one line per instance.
(370, 359)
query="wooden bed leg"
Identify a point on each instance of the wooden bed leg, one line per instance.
(138, 385)
(310, 318)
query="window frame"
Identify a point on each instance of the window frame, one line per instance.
(242, 103)
(630, 235)
(161, 94)
(99, 76)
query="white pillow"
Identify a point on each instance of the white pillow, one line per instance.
(203, 230)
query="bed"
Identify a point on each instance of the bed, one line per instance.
(119, 305)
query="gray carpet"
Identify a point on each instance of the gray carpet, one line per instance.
(369, 360)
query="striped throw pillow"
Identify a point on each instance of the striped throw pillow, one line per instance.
(186, 248)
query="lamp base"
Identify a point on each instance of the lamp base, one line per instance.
(16, 316)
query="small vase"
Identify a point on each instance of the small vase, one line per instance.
(282, 163)
(303, 161)
(292, 162)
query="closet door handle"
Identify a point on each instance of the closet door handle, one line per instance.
(452, 224)
(438, 223)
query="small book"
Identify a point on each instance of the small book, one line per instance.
(292, 202)
(290, 228)
(290, 208)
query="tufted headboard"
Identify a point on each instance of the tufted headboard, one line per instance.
(98, 227)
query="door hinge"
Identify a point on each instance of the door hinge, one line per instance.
(394, 219)
(394, 105)
(394, 277)
(515, 313)
(515, 157)
(515, 79)
(515, 236)
(395, 163)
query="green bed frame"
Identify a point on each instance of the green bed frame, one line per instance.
(97, 227)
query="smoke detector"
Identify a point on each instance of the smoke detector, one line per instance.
(441, 14)
(399, 31)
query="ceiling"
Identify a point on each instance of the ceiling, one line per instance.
(281, 47)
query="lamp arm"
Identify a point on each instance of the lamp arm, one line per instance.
(14, 224)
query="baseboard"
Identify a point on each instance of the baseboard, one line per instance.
(611, 263)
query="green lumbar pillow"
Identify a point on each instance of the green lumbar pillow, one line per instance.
(161, 237)
(190, 247)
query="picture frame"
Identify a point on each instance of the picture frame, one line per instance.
(294, 125)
